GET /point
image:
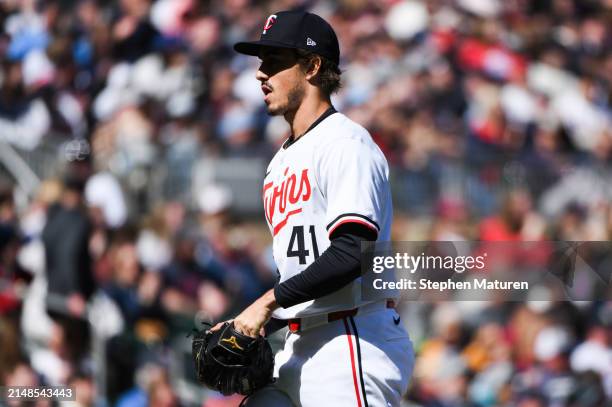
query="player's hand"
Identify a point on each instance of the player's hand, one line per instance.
(251, 321)
(262, 332)
(220, 324)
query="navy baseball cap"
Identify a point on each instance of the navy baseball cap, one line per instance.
(296, 30)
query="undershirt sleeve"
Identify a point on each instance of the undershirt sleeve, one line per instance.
(336, 267)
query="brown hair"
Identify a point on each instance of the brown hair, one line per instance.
(328, 77)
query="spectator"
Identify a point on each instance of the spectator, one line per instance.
(23, 375)
(24, 119)
(68, 263)
(136, 292)
(9, 336)
(595, 354)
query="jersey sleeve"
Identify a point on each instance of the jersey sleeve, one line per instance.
(353, 177)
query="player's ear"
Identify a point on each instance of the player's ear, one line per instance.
(314, 65)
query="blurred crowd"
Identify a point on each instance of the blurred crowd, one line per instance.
(495, 117)
(535, 354)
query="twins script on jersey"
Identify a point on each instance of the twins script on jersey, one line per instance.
(332, 175)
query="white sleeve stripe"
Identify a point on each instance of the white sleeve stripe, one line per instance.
(360, 222)
(352, 217)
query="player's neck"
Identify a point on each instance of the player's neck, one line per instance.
(306, 114)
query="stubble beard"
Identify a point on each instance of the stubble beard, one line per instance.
(294, 99)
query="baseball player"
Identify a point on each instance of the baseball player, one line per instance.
(325, 191)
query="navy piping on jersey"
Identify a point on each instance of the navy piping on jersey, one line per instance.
(291, 140)
(363, 390)
(355, 215)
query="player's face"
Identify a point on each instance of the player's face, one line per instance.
(282, 80)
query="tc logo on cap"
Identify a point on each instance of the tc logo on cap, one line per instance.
(269, 23)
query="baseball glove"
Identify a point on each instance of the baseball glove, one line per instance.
(230, 362)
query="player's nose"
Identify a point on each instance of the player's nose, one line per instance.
(260, 76)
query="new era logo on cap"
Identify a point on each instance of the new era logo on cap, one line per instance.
(295, 29)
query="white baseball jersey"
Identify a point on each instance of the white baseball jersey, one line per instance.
(332, 175)
(359, 361)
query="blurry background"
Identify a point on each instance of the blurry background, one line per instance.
(133, 143)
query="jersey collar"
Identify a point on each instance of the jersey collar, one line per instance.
(331, 110)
